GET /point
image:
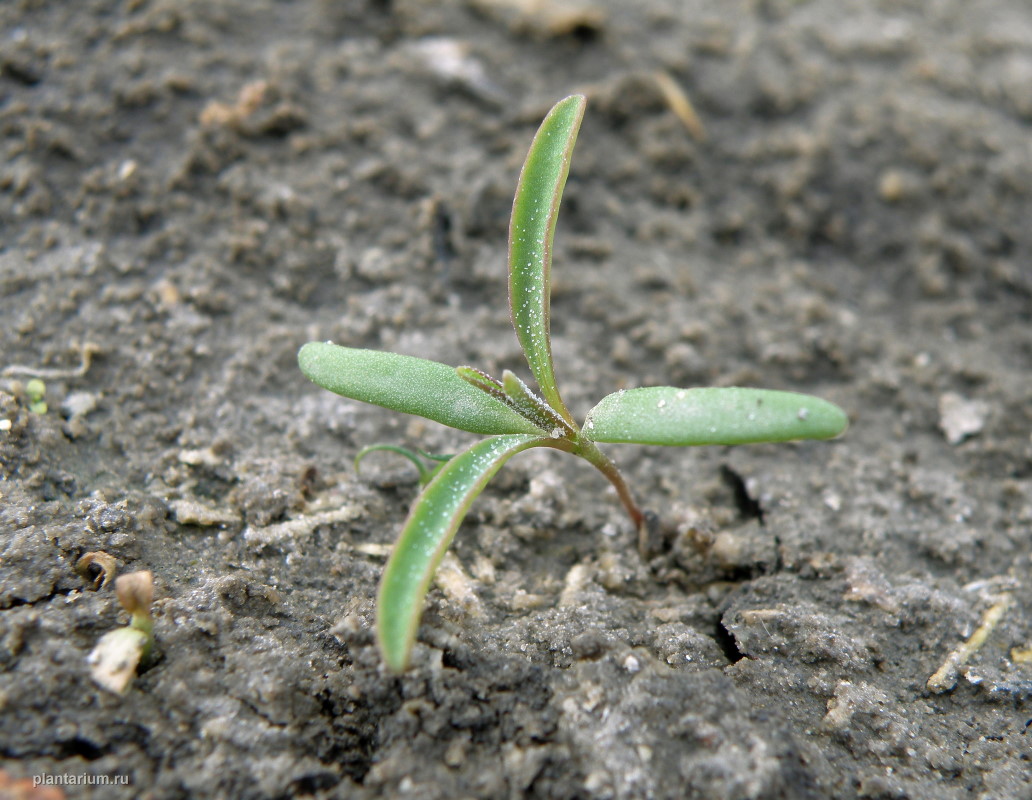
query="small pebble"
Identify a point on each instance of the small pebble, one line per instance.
(960, 418)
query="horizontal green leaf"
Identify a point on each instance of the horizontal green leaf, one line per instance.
(412, 385)
(435, 516)
(669, 416)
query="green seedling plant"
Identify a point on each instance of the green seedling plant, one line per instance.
(36, 392)
(118, 654)
(516, 418)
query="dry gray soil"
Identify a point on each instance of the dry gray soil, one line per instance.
(191, 189)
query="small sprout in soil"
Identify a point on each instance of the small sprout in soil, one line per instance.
(36, 392)
(517, 418)
(113, 662)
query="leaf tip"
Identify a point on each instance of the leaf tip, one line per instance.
(826, 419)
(308, 357)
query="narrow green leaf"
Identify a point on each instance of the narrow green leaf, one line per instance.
(669, 416)
(533, 407)
(430, 528)
(531, 231)
(438, 457)
(412, 385)
(425, 472)
(482, 381)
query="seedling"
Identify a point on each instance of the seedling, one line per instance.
(515, 417)
(114, 661)
(36, 391)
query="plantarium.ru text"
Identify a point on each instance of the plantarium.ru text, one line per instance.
(515, 417)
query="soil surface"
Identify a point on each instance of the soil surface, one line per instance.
(191, 189)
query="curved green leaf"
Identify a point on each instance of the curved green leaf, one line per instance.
(430, 528)
(425, 472)
(531, 231)
(412, 385)
(669, 416)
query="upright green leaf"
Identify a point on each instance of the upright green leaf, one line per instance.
(531, 231)
(430, 528)
(670, 416)
(412, 385)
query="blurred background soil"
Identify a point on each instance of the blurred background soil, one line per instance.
(827, 196)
